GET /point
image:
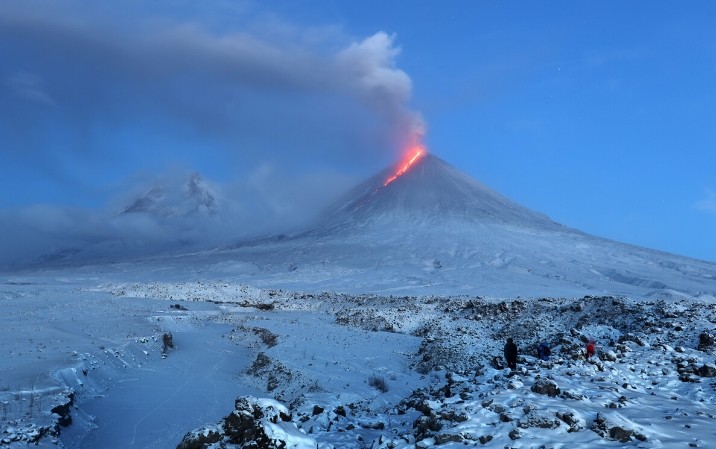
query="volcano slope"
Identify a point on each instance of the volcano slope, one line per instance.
(435, 230)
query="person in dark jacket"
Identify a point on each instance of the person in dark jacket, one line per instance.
(511, 354)
(543, 351)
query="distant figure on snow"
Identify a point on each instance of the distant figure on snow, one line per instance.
(591, 348)
(511, 354)
(543, 351)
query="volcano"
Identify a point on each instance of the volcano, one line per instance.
(431, 193)
(435, 229)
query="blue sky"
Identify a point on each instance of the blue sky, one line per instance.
(599, 114)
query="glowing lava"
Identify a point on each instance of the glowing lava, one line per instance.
(417, 153)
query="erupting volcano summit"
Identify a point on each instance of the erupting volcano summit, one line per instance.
(423, 226)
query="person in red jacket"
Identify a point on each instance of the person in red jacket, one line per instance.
(591, 348)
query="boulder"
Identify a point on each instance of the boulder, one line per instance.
(707, 342)
(707, 370)
(575, 422)
(614, 427)
(256, 423)
(539, 419)
(546, 387)
(201, 438)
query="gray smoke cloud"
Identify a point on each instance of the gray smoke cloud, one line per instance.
(100, 93)
(242, 89)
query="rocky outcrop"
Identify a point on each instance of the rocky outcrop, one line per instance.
(255, 423)
(546, 387)
(707, 342)
(614, 427)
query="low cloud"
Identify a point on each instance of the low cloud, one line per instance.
(708, 203)
(29, 87)
(102, 92)
(174, 211)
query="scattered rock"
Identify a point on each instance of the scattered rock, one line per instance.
(614, 427)
(574, 421)
(539, 419)
(707, 342)
(63, 411)
(201, 438)
(546, 387)
(449, 438)
(256, 423)
(515, 434)
(571, 394)
(608, 356)
(707, 370)
(167, 342)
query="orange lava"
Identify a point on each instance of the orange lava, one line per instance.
(417, 153)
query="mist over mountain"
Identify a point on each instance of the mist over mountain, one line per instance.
(433, 230)
(196, 197)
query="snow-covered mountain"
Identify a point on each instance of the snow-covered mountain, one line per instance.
(431, 194)
(162, 200)
(432, 230)
(437, 230)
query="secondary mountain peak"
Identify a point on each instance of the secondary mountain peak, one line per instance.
(183, 197)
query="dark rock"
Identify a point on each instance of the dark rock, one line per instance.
(423, 407)
(633, 338)
(571, 394)
(620, 434)
(515, 434)
(484, 439)
(454, 417)
(249, 426)
(608, 356)
(200, 439)
(612, 428)
(707, 341)
(317, 410)
(63, 411)
(448, 438)
(262, 361)
(574, 422)
(498, 363)
(425, 426)
(168, 341)
(538, 419)
(707, 370)
(546, 387)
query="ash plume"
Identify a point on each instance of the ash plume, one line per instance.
(102, 92)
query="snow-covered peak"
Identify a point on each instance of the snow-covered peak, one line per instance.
(430, 192)
(168, 199)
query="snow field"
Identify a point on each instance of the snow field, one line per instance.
(319, 355)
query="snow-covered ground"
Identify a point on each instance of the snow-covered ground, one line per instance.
(359, 370)
(381, 327)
